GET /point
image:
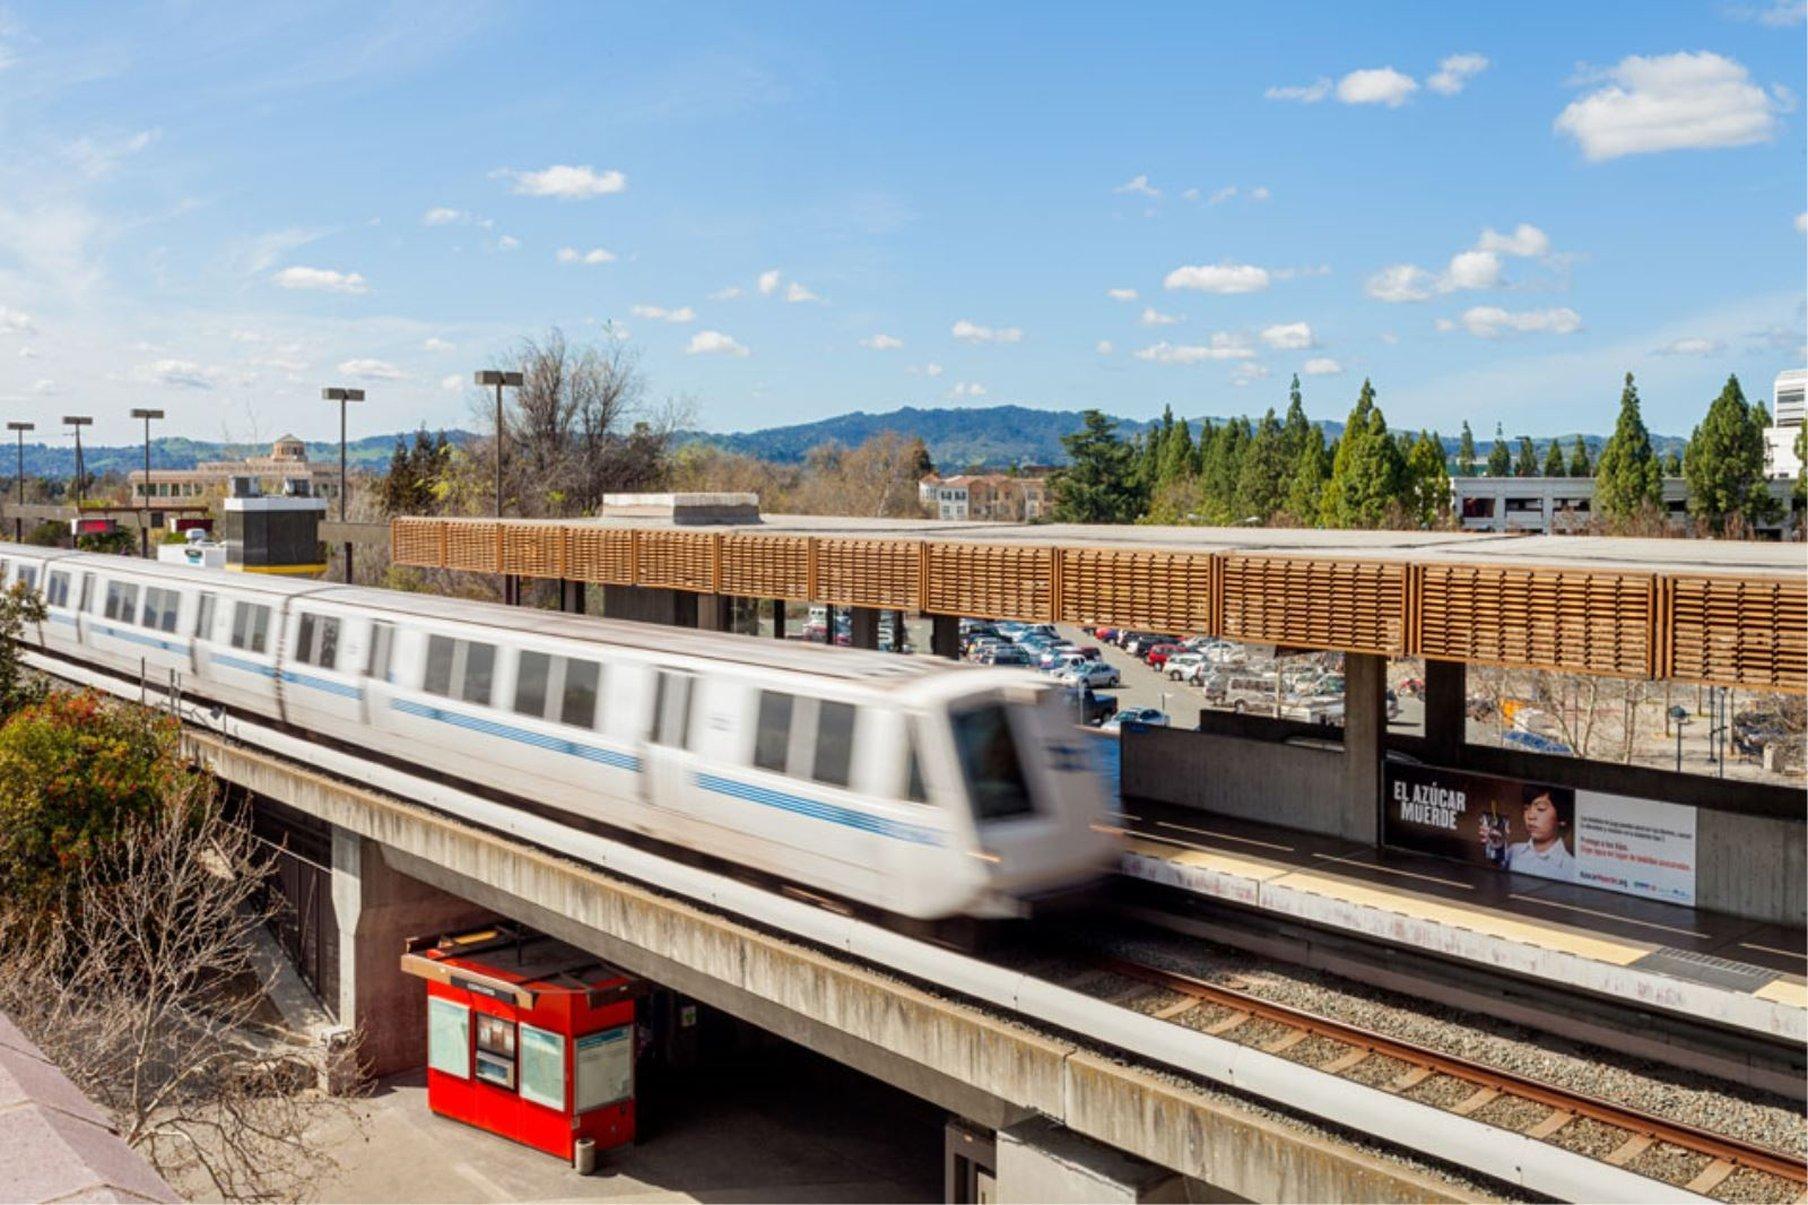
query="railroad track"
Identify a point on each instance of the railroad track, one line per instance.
(1710, 1165)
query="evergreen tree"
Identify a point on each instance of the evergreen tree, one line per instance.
(1724, 464)
(1553, 461)
(1500, 459)
(1628, 477)
(1801, 470)
(1223, 471)
(1262, 482)
(1526, 464)
(1578, 460)
(1176, 454)
(1306, 483)
(1367, 472)
(1465, 452)
(1295, 426)
(1098, 485)
(1672, 464)
(921, 465)
(1427, 480)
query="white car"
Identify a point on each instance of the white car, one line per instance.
(1091, 673)
(1182, 666)
(1135, 715)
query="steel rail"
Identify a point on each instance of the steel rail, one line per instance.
(1736, 1151)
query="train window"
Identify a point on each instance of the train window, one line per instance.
(774, 737)
(122, 601)
(317, 640)
(382, 642)
(531, 673)
(439, 665)
(672, 709)
(579, 704)
(914, 790)
(57, 594)
(988, 758)
(29, 575)
(304, 636)
(204, 616)
(160, 609)
(480, 672)
(834, 743)
(250, 627)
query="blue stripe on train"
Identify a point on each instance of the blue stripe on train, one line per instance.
(555, 744)
(818, 810)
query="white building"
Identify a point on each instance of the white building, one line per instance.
(1780, 463)
(1564, 505)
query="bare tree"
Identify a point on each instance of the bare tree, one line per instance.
(145, 992)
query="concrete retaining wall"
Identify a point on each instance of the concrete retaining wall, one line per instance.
(1751, 866)
(1297, 786)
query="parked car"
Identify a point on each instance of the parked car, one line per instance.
(1145, 641)
(1157, 655)
(1102, 632)
(1092, 673)
(1089, 709)
(1005, 655)
(1135, 715)
(1180, 666)
(1054, 661)
(1089, 651)
(1246, 692)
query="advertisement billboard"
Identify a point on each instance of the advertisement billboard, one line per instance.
(1636, 847)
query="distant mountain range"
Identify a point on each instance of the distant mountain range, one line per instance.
(178, 452)
(1005, 436)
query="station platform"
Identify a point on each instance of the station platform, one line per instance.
(1739, 974)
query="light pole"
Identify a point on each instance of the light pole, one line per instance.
(499, 379)
(78, 421)
(144, 529)
(19, 519)
(342, 396)
(1679, 715)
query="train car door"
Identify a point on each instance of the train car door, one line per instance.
(667, 757)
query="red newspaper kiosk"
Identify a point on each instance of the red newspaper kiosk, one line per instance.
(528, 1038)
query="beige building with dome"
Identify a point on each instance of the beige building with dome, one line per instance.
(287, 461)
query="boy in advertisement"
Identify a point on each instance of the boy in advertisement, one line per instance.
(1547, 814)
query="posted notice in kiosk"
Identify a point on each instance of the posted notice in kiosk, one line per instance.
(1638, 847)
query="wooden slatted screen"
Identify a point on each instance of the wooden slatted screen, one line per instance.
(417, 542)
(534, 550)
(472, 546)
(1739, 631)
(867, 573)
(1308, 602)
(766, 567)
(1162, 591)
(600, 554)
(1575, 620)
(684, 560)
(991, 581)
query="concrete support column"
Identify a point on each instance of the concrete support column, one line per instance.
(1041, 1161)
(651, 604)
(1446, 711)
(378, 908)
(715, 612)
(571, 596)
(778, 619)
(897, 631)
(1364, 743)
(511, 590)
(864, 632)
(944, 636)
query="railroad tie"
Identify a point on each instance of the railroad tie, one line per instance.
(1710, 1177)
(1224, 1025)
(1286, 1041)
(1550, 1125)
(1345, 1061)
(1474, 1101)
(1168, 1012)
(1409, 1078)
(1628, 1150)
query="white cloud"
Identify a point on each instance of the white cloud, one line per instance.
(1321, 366)
(1525, 241)
(1376, 86)
(1191, 194)
(1684, 101)
(28, 353)
(1288, 336)
(726, 294)
(683, 313)
(321, 280)
(371, 370)
(972, 332)
(184, 374)
(968, 389)
(931, 370)
(15, 322)
(507, 242)
(1443, 326)
(98, 159)
(596, 255)
(565, 182)
(45, 388)
(1695, 346)
(1454, 71)
(1154, 317)
(1222, 195)
(1259, 193)
(1138, 185)
(1130, 294)
(1305, 94)
(881, 343)
(1222, 347)
(1801, 223)
(797, 292)
(452, 383)
(1103, 347)
(1218, 278)
(1401, 282)
(1777, 15)
(1471, 270)
(436, 344)
(441, 215)
(1490, 321)
(769, 282)
(713, 343)
(1248, 373)
(1390, 338)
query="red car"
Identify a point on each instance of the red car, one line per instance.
(1158, 656)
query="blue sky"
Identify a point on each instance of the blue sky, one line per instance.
(793, 211)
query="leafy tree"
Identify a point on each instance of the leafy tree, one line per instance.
(1724, 464)
(1553, 461)
(1628, 478)
(1672, 464)
(1526, 463)
(1500, 459)
(921, 465)
(1262, 480)
(20, 606)
(1427, 481)
(1801, 461)
(1578, 460)
(1465, 452)
(1306, 482)
(1098, 485)
(416, 473)
(1367, 471)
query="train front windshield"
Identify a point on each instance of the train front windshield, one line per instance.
(996, 783)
